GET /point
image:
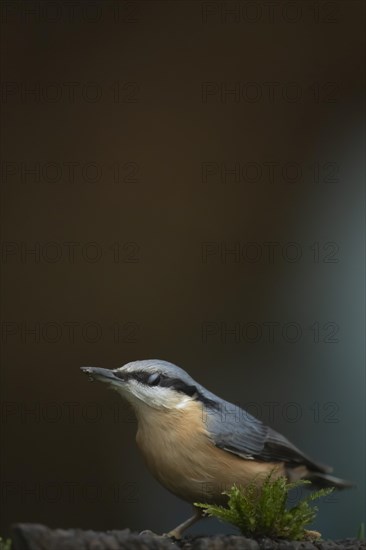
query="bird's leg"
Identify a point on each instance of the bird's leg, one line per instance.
(177, 531)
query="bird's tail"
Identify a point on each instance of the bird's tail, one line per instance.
(321, 481)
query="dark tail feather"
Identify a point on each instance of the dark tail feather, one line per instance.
(325, 480)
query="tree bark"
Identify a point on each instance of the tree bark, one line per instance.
(32, 536)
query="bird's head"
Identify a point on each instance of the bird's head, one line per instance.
(157, 384)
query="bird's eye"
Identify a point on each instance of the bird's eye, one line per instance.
(154, 379)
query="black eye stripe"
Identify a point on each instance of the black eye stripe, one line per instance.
(154, 379)
(148, 378)
(157, 379)
(179, 385)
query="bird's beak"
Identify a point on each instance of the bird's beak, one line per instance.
(103, 375)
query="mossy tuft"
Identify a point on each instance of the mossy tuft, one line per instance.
(5, 544)
(262, 512)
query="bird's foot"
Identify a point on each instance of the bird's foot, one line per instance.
(148, 532)
(171, 534)
(170, 538)
(174, 534)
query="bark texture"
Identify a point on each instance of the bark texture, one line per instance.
(32, 536)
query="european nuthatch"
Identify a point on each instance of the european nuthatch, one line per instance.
(196, 444)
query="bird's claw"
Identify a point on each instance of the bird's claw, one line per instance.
(164, 535)
(148, 532)
(172, 535)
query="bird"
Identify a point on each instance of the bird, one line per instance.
(198, 445)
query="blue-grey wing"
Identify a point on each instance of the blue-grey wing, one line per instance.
(238, 432)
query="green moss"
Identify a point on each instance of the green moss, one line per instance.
(262, 512)
(5, 544)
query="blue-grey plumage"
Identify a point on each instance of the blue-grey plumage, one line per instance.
(197, 444)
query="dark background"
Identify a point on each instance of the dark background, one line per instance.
(126, 236)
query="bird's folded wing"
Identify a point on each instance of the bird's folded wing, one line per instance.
(250, 439)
